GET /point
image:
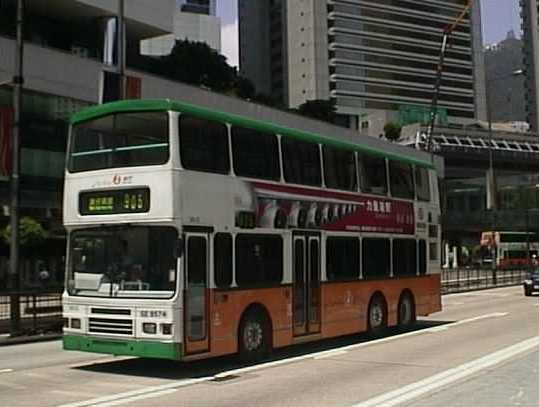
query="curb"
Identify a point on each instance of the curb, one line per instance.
(19, 340)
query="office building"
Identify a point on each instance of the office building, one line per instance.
(505, 79)
(530, 39)
(64, 58)
(369, 56)
(194, 20)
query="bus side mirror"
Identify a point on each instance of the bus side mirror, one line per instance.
(178, 249)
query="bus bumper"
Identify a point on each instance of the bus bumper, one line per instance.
(117, 347)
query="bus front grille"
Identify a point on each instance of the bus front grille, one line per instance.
(111, 326)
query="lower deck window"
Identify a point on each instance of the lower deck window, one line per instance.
(222, 260)
(376, 258)
(342, 258)
(404, 257)
(259, 260)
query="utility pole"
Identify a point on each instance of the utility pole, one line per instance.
(18, 81)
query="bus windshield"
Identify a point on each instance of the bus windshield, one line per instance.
(120, 140)
(133, 261)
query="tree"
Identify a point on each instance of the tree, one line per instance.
(197, 64)
(392, 131)
(31, 233)
(324, 110)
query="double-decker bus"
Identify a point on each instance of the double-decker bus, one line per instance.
(511, 250)
(197, 231)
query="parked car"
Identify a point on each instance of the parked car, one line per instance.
(531, 284)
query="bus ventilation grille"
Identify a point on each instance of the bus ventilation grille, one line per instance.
(111, 326)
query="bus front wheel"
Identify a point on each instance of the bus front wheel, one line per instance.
(254, 337)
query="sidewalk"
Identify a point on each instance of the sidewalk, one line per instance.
(6, 339)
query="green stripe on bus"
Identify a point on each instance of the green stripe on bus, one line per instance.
(118, 347)
(202, 112)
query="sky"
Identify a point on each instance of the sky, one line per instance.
(499, 16)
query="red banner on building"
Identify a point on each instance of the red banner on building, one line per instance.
(6, 139)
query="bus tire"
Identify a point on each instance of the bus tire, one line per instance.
(254, 336)
(406, 310)
(377, 315)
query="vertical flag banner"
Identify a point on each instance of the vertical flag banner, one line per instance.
(6, 127)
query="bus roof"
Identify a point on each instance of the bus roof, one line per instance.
(371, 145)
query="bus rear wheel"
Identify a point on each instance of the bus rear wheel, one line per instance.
(254, 339)
(406, 310)
(377, 315)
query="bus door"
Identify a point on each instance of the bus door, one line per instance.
(306, 283)
(195, 278)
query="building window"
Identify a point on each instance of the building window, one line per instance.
(222, 260)
(204, 145)
(259, 260)
(342, 258)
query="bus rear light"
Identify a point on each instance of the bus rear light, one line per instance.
(149, 328)
(166, 329)
(75, 323)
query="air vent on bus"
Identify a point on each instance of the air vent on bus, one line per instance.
(111, 311)
(111, 326)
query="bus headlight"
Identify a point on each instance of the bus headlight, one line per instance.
(75, 323)
(149, 328)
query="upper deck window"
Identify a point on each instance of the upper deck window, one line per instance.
(204, 145)
(301, 162)
(402, 180)
(373, 175)
(422, 184)
(256, 154)
(340, 168)
(120, 140)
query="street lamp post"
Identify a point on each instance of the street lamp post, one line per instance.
(15, 182)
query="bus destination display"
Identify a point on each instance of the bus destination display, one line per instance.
(114, 202)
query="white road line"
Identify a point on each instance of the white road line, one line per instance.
(6, 370)
(480, 317)
(420, 388)
(147, 391)
(137, 398)
(330, 354)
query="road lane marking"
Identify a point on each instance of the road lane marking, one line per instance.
(478, 318)
(6, 370)
(330, 354)
(137, 398)
(422, 387)
(147, 391)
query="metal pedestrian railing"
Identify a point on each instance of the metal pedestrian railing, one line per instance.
(39, 311)
(467, 279)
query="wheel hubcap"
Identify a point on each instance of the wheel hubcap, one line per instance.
(405, 311)
(253, 336)
(376, 315)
